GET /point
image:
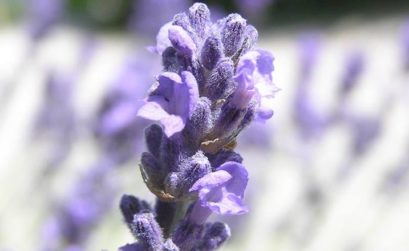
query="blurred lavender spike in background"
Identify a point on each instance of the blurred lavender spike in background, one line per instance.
(397, 179)
(258, 136)
(91, 197)
(404, 39)
(116, 126)
(43, 15)
(355, 64)
(142, 21)
(254, 8)
(57, 110)
(365, 130)
(309, 48)
(310, 119)
(57, 119)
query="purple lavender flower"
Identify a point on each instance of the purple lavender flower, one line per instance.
(220, 192)
(172, 102)
(214, 84)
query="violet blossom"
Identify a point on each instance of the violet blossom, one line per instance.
(220, 192)
(213, 85)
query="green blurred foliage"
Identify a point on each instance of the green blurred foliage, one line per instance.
(114, 14)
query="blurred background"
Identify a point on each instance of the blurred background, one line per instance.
(330, 171)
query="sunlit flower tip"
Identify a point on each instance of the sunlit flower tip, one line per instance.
(233, 33)
(172, 101)
(222, 191)
(181, 40)
(199, 16)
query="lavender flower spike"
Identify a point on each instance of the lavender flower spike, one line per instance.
(214, 84)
